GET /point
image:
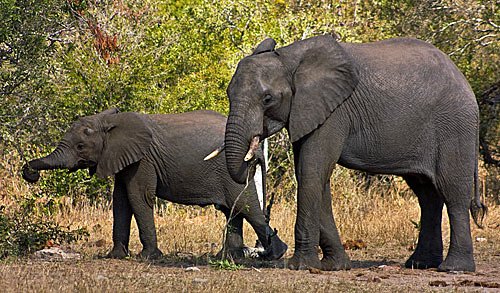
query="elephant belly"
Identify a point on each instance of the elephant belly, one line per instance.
(399, 154)
(189, 193)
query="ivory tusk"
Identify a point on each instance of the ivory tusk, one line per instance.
(215, 153)
(254, 144)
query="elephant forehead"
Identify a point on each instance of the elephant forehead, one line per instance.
(81, 123)
(76, 129)
(258, 65)
(256, 74)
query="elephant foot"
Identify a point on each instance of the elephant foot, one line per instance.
(332, 263)
(304, 262)
(422, 261)
(231, 253)
(118, 251)
(275, 250)
(462, 263)
(421, 264)
(150, 254)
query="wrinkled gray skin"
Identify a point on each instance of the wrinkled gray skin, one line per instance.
(159, 155)
(398, 107)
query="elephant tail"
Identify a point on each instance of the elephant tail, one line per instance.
(477, 208)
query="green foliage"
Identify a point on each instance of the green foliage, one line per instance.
(78, 185)
(28, 35)
(225, 265)
(61, 59)
(26, 231)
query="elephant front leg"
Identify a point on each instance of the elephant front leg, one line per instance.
(307, 225)
(313, 168)
(143, 213)
(334, 256)
(122, 216)
(141, 191)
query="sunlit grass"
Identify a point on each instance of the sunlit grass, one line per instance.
(382, 216)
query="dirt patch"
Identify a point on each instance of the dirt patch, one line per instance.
(175, 273)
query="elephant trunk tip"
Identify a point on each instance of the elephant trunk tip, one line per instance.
(29, 174)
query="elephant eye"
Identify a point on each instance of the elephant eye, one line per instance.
(79, 146)
(267, 99)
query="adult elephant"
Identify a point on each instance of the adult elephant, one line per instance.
(398, 106)
(159, 155)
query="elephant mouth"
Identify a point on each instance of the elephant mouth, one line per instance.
(83, 164)
(271, 127)
(254, 144)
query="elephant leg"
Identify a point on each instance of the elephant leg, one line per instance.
(457, 197)
(274, 247)
(314, 162)
(311, 177)
(429, 250)
(141, 189)
(233, 245)
(307, 224)
(334, 256)
(122, 216)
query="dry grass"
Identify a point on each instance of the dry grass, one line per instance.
(380, 216)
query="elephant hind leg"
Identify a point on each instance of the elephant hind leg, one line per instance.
(429, 250)
(274, 247)
(233, 246)
(457, 196)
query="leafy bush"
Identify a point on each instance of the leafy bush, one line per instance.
(25, 231)
(63, 59)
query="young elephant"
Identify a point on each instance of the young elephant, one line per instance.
(159, 155)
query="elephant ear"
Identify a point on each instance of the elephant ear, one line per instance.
(265, 46)
(128, 138)
(325, 76)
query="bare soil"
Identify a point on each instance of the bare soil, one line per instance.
(374, 269)
(381, 221)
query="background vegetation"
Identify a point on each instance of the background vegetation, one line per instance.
(61, 59)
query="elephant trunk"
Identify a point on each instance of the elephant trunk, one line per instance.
(241, 143)
(58, 159)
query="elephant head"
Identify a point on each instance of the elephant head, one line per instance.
(296, 87)
(104, 143)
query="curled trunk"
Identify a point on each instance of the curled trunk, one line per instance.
(58, 159)
(236, 149)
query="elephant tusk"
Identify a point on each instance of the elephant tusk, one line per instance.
(254, 144)
(215, 153)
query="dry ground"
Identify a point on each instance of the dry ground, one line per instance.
(191, 237)
(98, 275)
(382, 217)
